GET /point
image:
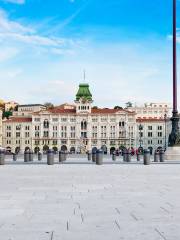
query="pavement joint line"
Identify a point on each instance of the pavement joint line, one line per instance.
(52, 235)
(67, 226)
(117, 224)
(82, 218)
(117, 210)
(134, 217)
(165, 210)
(169, 204)
(160, 234)
(142, 205)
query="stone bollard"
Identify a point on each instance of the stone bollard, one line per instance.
(161, 155)
(99, 157)
(39, 156)
(2, 157)
(65, 156)
(26, 156)
(147, 157)
(156, 156)
(31, 156)
(94, 156)
(14, 157)
(138, 157)
(89, 155)
(50, 157)
(128, 157)
(114, 156)
(125, 155)
(61, 156)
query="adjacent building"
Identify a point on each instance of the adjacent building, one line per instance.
(10, 106)
(28, 109)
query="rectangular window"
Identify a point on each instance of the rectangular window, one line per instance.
(46, 134)
(18, 134)
(149, 134)
(55, 119)
(159, 134)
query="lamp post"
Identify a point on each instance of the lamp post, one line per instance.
(165, 121)
(174, 138)
(140, 135)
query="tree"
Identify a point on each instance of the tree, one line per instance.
(118, 107)
(49, 105)
(95, 107)
(16, 108)
(7, 114)
(129, 104)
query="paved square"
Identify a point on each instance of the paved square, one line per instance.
(89, 202)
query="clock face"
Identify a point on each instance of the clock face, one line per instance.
(83, 100)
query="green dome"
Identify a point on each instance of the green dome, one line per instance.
(84, 92)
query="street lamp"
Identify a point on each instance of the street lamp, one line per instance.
(140, 135)
(165, 121)
(174, 138)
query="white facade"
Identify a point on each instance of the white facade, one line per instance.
(17, 134)
(152, 110)
(154, 133)
(79, 127)
(27, 110)
(10, 105)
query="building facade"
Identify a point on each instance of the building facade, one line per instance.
(9, 106)
(28, 109)
(82, 127)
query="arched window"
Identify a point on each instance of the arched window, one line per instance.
(46, 123)
(83, 125)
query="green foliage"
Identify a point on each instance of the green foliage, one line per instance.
(7, 114)
(49, 105)
(129, 104)
(118, 107)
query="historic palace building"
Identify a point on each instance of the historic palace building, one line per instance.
(81, 127)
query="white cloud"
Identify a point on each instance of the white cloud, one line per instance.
(15, 33)
(15, 1)
(7, 53)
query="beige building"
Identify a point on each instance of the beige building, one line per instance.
(152, 133)
(75, 128)
(28, 109)
(10, 105)
(79, 127)
(152, 110)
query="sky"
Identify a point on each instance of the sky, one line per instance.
(125, 47)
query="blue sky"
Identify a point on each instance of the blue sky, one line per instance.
(124, 45)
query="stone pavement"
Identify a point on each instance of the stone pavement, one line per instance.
(89, 202)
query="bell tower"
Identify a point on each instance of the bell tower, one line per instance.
(83, 99)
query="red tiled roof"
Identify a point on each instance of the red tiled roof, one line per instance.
(149, 119)
(108, 111)
(18, 119)
(60, 110)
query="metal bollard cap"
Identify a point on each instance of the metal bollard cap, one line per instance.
(50, 151)
(99, 151)
(146, 151)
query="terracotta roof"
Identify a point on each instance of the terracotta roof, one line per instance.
(62, 110)
(109, 111)
(149, 119)
(18, 119)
